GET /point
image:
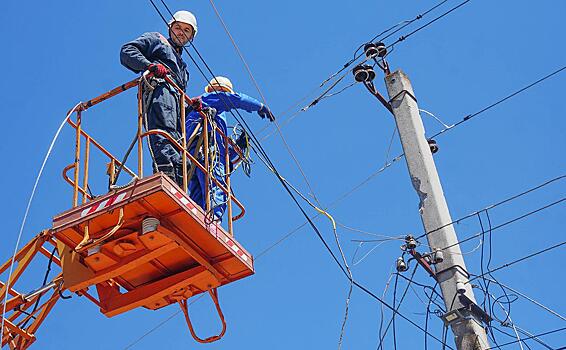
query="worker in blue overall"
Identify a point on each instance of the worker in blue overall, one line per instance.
(161, 102)
(219, 96)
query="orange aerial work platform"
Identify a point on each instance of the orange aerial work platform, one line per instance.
(145, 244)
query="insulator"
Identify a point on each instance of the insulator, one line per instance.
(433, 146)
(460, 287)
(363, 73)
(360, 73)
(370, 49)
(382, 50)
(401, 265)
(438, 256)
(371, 73)
(373, 50)
(411, 243)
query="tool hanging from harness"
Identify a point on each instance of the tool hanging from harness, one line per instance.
(199, 191)
(242, 140)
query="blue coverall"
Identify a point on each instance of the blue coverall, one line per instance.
(163, 104)
(223, 102)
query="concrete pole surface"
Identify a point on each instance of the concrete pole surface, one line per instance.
(468, 332)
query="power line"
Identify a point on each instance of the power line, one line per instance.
(392, 321)
(403, 25)
(404, 37)
(470, 116)
(356, 56)
(284, 184)
(248, 70)
(534, 336)
(532, 212)
(331, 205)
(530, 299)
(558, 245)
(494, 205)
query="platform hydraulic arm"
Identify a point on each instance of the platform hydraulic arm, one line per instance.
(23, 313)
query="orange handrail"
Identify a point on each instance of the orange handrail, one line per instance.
(180, 145)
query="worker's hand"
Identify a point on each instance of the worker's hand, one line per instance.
(264, 112)
(196, 104)
(158, 70)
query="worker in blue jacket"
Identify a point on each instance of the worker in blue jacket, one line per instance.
(163, 56)
(221, 97)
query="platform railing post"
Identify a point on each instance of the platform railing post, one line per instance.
(184, 142)
(77, 159)
(206, 164)
(140, 130)
(85, 175)
(227, 171)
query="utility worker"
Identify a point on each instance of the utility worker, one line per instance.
(161, 102)
(221, 97)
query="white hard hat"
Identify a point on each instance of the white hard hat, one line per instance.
(219, 82)
(185, 17)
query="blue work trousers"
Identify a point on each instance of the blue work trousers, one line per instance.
(196, 188)
(163, 114)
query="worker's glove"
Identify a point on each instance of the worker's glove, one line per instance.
(196, 104)
(158, 70)
(264, 112)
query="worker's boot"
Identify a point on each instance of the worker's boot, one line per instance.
(179, 174)
(169, 170)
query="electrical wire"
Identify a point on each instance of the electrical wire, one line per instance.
(522, 331)
(495, 205)
(381, 310)
(32, 195)
(508, 322)
(154, 328)
(404, 37)
(534, 336)
(530, 299)
(284, 184)
(545, 250)
(487, 108)
(401, 25)
(392, 321)
(247, 67)
(452, 126)
(532, 212)
(331, 205)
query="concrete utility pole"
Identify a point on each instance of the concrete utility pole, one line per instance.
(451, 273)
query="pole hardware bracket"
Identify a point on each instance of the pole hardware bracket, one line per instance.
(424, 261)
(403, 92)
(470, 311)
(457, 267)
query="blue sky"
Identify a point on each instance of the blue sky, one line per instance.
(59, 53)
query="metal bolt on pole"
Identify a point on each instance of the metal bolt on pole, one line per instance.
(451, 273)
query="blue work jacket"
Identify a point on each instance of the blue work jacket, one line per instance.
(223, 102)
(153, 47)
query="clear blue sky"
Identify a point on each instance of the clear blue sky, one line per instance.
(60, 52)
